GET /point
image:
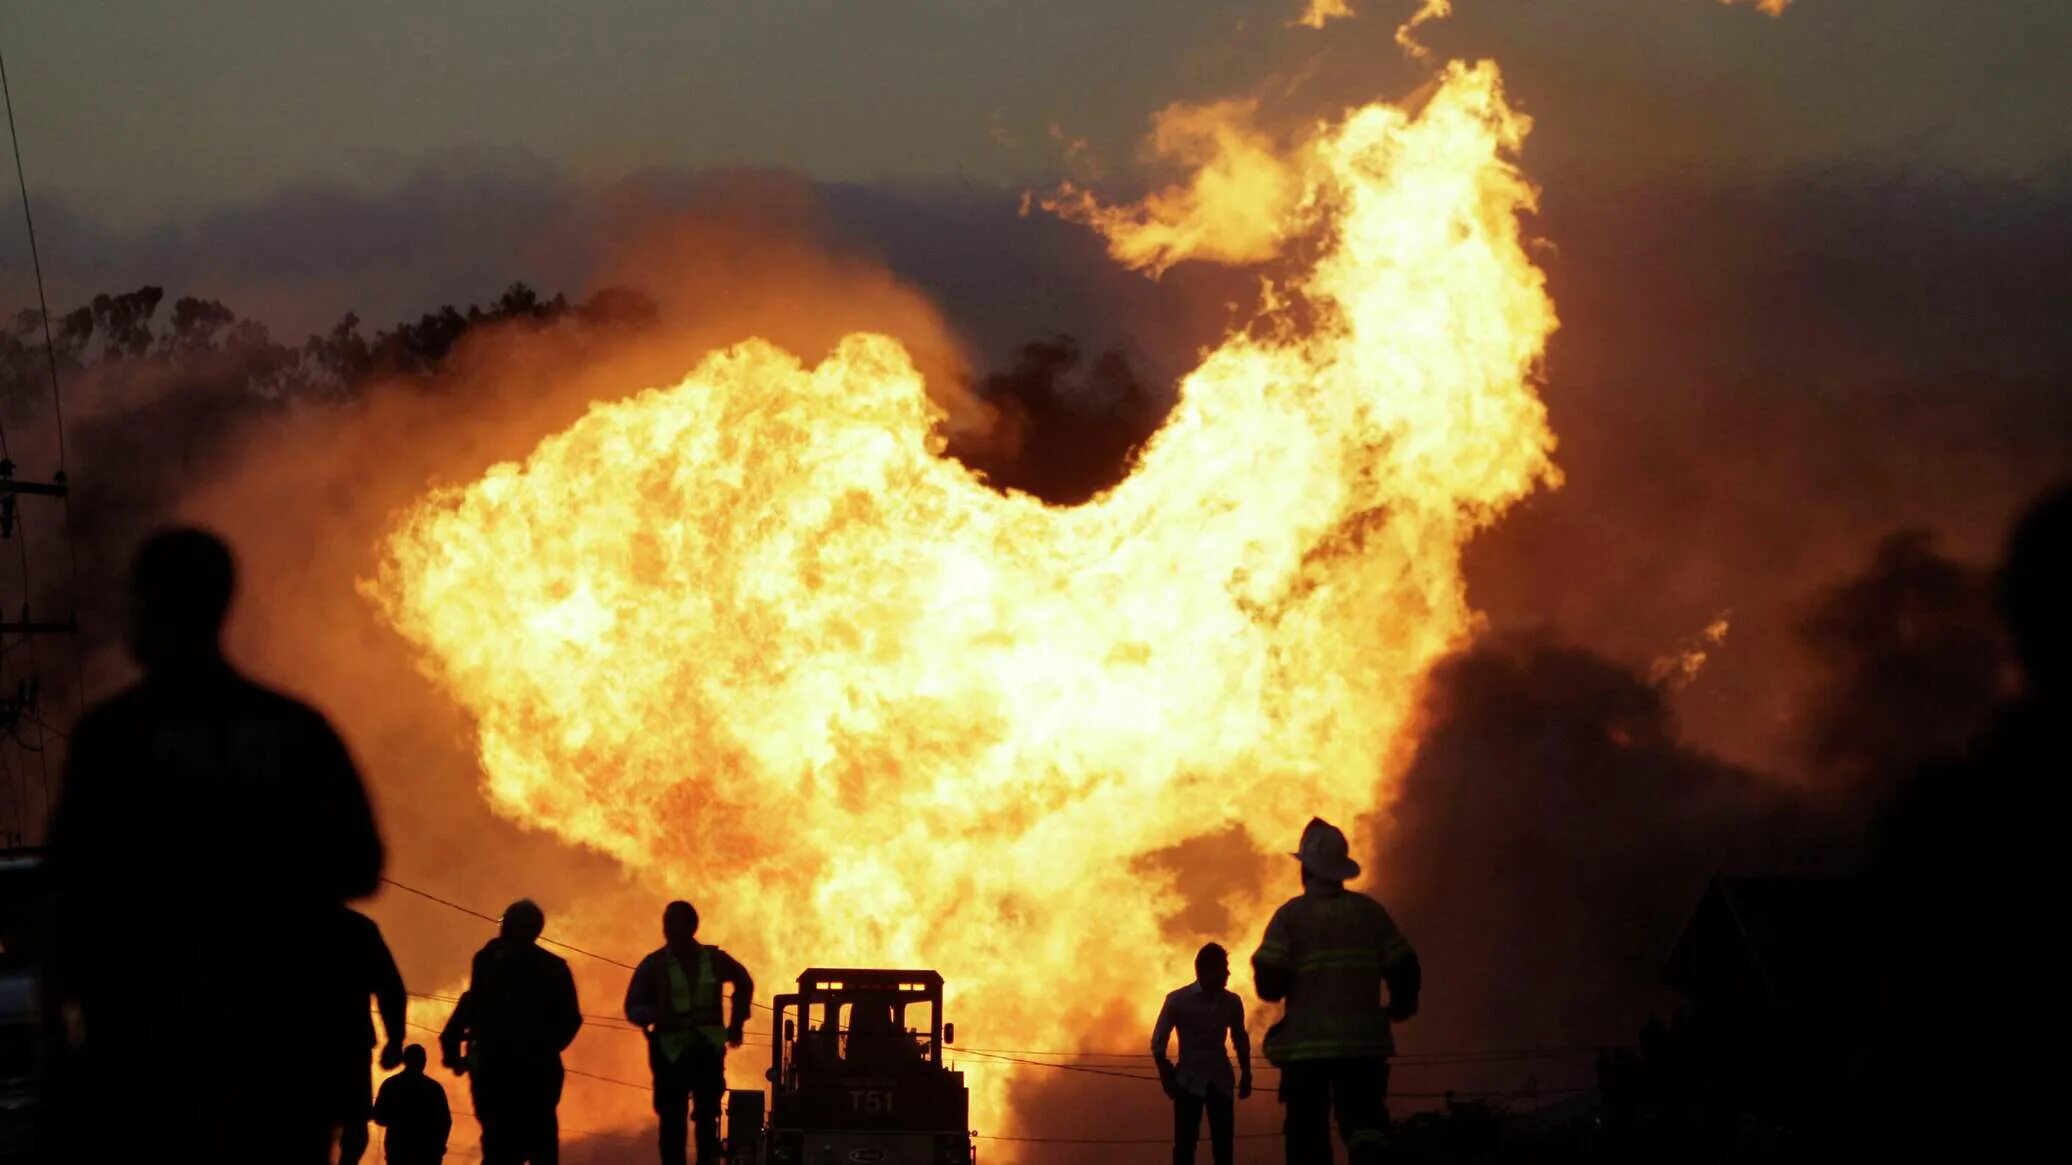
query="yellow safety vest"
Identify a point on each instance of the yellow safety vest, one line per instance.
(693, 1007)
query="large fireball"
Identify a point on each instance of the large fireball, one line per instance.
(754, 636)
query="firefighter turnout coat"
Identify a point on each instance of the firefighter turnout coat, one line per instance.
(1329, 952)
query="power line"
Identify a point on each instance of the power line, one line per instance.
(569, 947)
(50, 349)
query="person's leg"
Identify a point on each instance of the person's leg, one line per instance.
(352, 1142)
(1186, 1128)
(1306, 1123)
(1222, 1130)
(708, 1095)
(672, 1103)
(356, 1108)
(1360, 1093)
(547, 1137)
(497, 1145)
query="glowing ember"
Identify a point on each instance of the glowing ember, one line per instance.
(755, 637)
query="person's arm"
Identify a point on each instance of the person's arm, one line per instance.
(1272, 962)
(1242, 1043)
(346, 844)
(731, 971)
(452, 1053)
(445, 1122)
(384, 1102)
(1406, 983)
(1400, 970)
(1161, 1038)
(389, 997)
(1162, 1034)
(569, 1008)
(640, 994)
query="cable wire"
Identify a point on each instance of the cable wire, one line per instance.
(569, 947)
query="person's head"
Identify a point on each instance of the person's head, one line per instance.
(679, 923)
(2036, 594)
(524, 921)
(1325, 855)
(413, 1058)
(180, 586)
(1212, 967)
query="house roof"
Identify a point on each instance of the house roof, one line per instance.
(1792, 943)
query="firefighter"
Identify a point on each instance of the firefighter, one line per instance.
(507, 1034)
(1204, 1012)
(1327, 953)
(412, 1108)
(674, 997)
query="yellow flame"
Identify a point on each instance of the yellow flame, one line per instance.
(1428, 11)
(1317, 13)
(755, 637)
(1242, 202)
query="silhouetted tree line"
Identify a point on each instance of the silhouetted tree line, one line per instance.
(204, 340)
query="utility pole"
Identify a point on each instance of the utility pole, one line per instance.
(20, 704)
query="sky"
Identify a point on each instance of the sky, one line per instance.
(143, 111)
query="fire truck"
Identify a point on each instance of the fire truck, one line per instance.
(857, 1077)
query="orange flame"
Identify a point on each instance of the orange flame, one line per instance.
(1678, 670)
(752, 634)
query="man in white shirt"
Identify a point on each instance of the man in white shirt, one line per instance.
(1203, 1012)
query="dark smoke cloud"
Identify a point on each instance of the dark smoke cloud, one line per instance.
(1754, 384)
(1908, 662)
(1072, 428)
(1546, 843)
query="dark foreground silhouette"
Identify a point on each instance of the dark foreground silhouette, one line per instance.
(1204, 1013)
(413, 1113)
(1328, 953)
(674, 996)
(342, 1034)
(507, 1034)
(1971, 876)
(207, 834)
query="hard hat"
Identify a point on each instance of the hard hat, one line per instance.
(1323, 852)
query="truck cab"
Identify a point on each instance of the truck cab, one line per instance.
(858, 1077)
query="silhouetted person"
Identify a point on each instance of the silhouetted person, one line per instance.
(341, 1029)
(876, 1038)
(412, 1109)
(1970, 868)
(507, 1034)
(1328, 953)
(1205, 1013)
(870, 1022)
(674, 996)
(207, 833)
